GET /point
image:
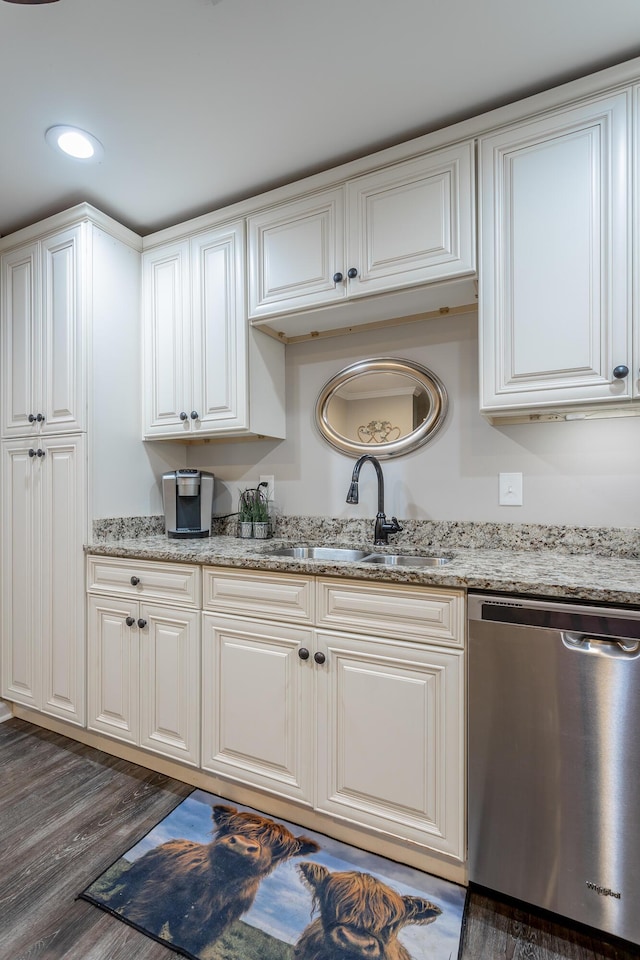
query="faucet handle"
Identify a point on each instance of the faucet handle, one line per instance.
(384, 527)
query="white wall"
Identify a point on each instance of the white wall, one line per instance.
(579, 472)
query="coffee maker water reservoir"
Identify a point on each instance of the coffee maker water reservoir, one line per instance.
(187, 496)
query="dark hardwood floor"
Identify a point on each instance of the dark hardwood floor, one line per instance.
(67, 811)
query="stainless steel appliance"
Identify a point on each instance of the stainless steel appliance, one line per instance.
(187, 496)
(554, 757)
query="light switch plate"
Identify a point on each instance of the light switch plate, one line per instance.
(510, 489)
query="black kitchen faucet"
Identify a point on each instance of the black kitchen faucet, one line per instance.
(383, 526)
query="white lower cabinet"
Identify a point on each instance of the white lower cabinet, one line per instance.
(390, 738)
(343, 695)
(43, 523)
(258, 716)
(144, 663)
(365, 727)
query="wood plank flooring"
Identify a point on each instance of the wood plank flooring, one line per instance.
(67, 811)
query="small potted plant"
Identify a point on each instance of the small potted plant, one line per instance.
(245, 513)
(261, 522)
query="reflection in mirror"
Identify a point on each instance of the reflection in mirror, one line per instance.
(384, 405)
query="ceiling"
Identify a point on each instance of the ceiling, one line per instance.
(199, 103)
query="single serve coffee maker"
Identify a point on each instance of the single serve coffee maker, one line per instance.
(187, 496)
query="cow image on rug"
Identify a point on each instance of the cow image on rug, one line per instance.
(191, 892)
(359, 917)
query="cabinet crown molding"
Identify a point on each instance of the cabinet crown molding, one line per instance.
(69, 217)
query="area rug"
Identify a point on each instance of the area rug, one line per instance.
(219, 881)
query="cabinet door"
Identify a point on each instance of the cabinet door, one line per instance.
(170, 681)
(257, 700)
(113, 667)
(219, 343)
(391, 738)
(554, 318)
(21, 566)
(168, 400)
(60, 539)
(412, 223)
(295, 248)
(636, 243)
(61, 397)
(20, 282)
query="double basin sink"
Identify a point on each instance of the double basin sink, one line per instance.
(345, 555)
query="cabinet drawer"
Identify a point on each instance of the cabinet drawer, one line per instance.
(257, 593)
(390, 610)
(177, 583)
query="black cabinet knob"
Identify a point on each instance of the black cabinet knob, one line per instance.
(32, 418)
(352, 273)
(194, 415)
(338, 278)
(135, 581)
(130, 621)
(319, 657)
(303, 653)
(32, 452)
(183, 416)
(40, 453)
(40, 418)
(621, 371)
(142, 623)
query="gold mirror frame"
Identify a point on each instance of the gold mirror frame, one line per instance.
(421, 377)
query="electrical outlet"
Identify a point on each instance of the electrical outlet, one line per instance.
(510, 488)
(270, 490)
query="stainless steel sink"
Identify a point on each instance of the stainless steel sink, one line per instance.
(317, 553)
(343, 555)
(405, 560)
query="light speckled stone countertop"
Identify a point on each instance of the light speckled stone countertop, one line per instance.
(541, 572)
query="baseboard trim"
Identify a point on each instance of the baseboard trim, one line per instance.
(5, 711)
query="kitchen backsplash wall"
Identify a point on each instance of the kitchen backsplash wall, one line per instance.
(581, 472)
(416, 534)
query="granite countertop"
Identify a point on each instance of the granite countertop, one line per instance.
(536, 570)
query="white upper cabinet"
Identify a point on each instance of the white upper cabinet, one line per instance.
(205, 372)
(167, 336)
(555, 318)
(400, 227)
(42, 336)
(412, 223)
(636, 242)
(295, 250)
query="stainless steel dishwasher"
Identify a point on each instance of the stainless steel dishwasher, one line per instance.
(554, 757)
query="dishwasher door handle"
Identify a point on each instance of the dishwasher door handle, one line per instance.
(617, 647)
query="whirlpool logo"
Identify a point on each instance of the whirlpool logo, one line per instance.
(603, 891)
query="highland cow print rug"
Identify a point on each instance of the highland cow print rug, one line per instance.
(218, 881)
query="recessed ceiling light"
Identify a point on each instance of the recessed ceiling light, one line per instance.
(74, 142)
(31, 1)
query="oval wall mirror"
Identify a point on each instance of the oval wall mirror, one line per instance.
(385, 406)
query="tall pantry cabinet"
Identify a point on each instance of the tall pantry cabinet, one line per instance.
(69, 334)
